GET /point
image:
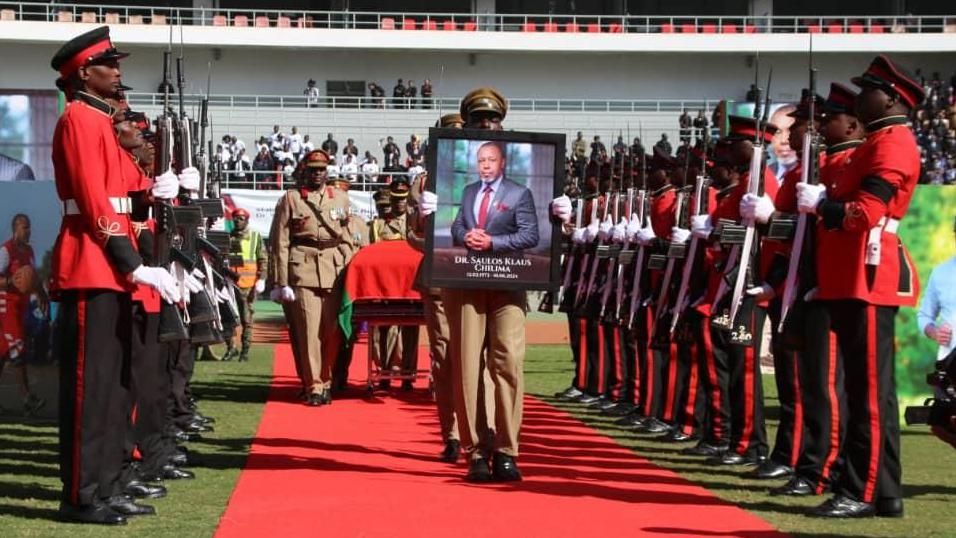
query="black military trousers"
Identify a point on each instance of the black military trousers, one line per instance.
(748, 432)
(789, 440)
(652, 371)
(821, 391)
(575, 335)
(871, 449)
(180, 359)
(615, 350)
(691, 412)
(627, 388)
(150, 384)
(714, 375)
(592, 348)
(674, 373)
(93, 348)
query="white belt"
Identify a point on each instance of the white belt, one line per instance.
(120, 205)
(874, 239)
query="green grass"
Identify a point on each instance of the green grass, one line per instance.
(231, 392)
(928, 477)
(234, 394)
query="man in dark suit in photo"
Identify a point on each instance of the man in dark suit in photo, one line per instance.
(496, 214)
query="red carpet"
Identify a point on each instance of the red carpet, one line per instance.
(368, 468)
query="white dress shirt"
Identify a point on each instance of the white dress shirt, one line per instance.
(481, 194)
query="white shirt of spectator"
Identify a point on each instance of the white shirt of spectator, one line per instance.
(350, 169)
(939, 301)
(332, 170)
(312, 95)
(308, 147)
(370, 169)
(225, 156)
(238, 146)
(295, 143)
(414, 171)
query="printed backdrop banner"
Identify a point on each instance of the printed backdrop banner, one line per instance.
(261, 205)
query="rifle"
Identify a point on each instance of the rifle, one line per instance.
(611, 259)
(572, 255)
(582, 276)
(644, 215)
(621, 262)
(808, 174)
(700, 203)
(672, 256)
(750, 248)
(592, 274)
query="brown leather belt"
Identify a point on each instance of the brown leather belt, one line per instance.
(316, 243)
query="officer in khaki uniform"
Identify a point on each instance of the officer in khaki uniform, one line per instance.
(309, 227)
(495, 318)
(436, 326)
(250, 245)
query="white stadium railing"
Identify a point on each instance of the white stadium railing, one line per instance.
(530, 104)
(471, 22)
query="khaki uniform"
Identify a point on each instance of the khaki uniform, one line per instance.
(486, 329)
(436, 326)
(307, 236)
(393, 347)
(358, 230)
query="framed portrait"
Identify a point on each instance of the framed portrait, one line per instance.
(493, 227)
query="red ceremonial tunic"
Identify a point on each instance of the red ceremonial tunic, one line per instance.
(13, 303)
(94, 247)
(864, 186)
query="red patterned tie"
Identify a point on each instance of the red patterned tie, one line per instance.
(483, 208)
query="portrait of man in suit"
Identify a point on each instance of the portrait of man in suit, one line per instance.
(496, 214)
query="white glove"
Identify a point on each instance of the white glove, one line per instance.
(286, 294)
(165, 186)
(577, 236)
(192, 283)
(758, 208)
(429, 203)
(646, 235)
(260, 285)
(160, 280)
(604, 230)
(619, 233)
(679, 235)
(189, 179)
(591, 232)
(809, 197)
(222, 296)
(701, 226)
(561, 208)
(276, 294)
(633, 228)
(762, 292)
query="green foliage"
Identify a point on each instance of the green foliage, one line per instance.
(927, 232)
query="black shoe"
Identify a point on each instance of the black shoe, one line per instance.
(186, 437)
(230, 354)
(841, 506)
(797, 486)
(620, 409)
(314, 399)
(731, 457)
(586, 399)
(599, 403)
(478, 471)
(652, 425)
(97, 513)
(677, 435)
(452, 449)
(384, 384)
(326, 395)
(569, 393)
(125, 505)
(142, 490)
(704, 449)
(198, 427)
(605, 405)
(243, 356)
(769, 470)
(407, 385)
(632, 420)
(504, 468)
(199, 417)
(889, 507)
(180, 460)
(169, 472)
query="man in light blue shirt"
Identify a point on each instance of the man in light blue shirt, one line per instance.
(937, 310)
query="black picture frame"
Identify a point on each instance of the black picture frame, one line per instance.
(532, 269)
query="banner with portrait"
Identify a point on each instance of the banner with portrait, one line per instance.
(492, 228)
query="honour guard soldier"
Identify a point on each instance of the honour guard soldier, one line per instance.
(310, 224)
(859, 215)
(251, 283)
(820, 367)
(358, 232)
(95, 266)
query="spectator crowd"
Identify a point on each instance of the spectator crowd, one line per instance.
(934, 124)
(270, 163)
